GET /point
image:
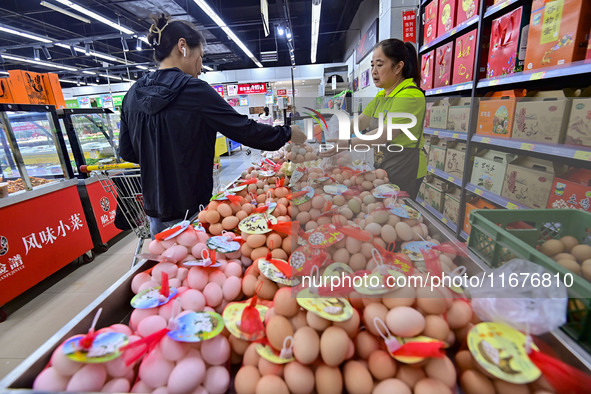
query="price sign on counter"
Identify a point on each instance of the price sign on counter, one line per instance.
(455, 135)
(529, 147)
(478, 191)
(494, 82)
(538, 75)
(582, 155)
(486, 140)
(510, 205)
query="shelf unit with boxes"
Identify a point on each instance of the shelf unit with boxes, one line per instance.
(465, 76)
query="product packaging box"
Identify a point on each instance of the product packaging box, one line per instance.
(437, 154)
(496, 112)
(454, 159)
(54, 90)
(578, 131)
(435, 194)
(438, 116)
(428, 107)
(508, 42)
(458, 116)
(5, 94)
(488, 171)
(572, 190)
(421, 193)
(27, 87)
(443, 65)
(465, 50)
(528, 181)
(541, 117)
(466, 9)
(427, 67)
(484, 51)
(427, 145)
(430, 27)
(451, 205)
(558, 32)
(476, 203)
(446, 16)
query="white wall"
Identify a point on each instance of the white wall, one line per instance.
(366, 14)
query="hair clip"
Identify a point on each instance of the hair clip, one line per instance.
(154, 29)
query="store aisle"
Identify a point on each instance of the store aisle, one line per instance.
(42, 311)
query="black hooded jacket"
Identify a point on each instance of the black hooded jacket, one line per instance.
(169, 121)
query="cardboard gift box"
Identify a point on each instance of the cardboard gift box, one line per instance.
(437, 154)
(447, 16)
(578, 131)
(466, 9)
(558, 32)
(427, 145)
(454, 159)
(541, 117)
(427, 67)
(53, 88)
(428, 107)
(488, 171)
(573, 190)
(435, 194)
(476, 203)
(451, 205)
(421, 193)
(458, 116)
(438, 116)
(5, 94)
(508, 41)
(430, 27)
(443, 65)
(465, 50)
(27, 87)
(528, 181)
(496, 111)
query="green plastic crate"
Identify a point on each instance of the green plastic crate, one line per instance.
(495, 244)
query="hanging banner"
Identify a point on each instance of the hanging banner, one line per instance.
(286, 92)
(252, 88)
(409, 26)
(219, 89)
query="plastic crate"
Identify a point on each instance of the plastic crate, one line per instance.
(499, 235)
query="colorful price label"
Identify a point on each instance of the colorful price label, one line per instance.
(436, 132)
(510, 205)
(538, 75)
(455, 135)
(151, 298)
(486, 140)
(451, 178)
(582, 155)
(444, 219)
(478, 191)
(197, 327)
(333, 309)
(232, 316)
(105, 347)
(529, 147)
(494, 82)
(438, 91)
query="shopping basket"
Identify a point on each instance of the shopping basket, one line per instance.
(124, 183)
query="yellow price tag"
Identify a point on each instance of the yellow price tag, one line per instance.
(444, 220)
(451, 178)
(538, 75)
(494, 82)
(582, 155)
(525, 146)
(436, 132)
(486, 140)
(510, 205)
(478, 191)
(454, 31)
(455, 135)
(461, 87)
(438, 91)
(505, 4)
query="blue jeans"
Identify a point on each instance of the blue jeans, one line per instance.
(157, 225)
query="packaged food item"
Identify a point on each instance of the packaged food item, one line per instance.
(476, 203)
(578, 131)
(466, 9)
(528, 181)
(443, 65)
(496, 113)
(27, 87)
(430, 27)
(447, 16)
(5, 94)
(437, 153)
(454, 159)
(435, 194)
(489, 169)
(464, 58)
(572, 190)
(451, 206)
(458, 116)
(427, 67)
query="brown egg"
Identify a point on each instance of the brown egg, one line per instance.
(561, 256)
(459, 314)
(317, 322)
(251, 357)
(581, 252)
(299, 320)
(328, 380)
(570, 265)
(225, 210)
(357, 262)
(474, 382)
(212, 216)
(373, 311)
(274, 241)
(442, 369)
(586, 269)
(216, 228)
(569, 242)
(339, 200)
(436, 327)
(246, 379)
(388, 233)
(268, 289)
(402, 296)
(277, 330)
(306, 345)
(366, 344)
(430, 386)
(404, 231)
(256, 240)
(269, 368)
(333, 346)
(271, 384)
(258, 252)
(510, 388)
(341, 256)
(358, 380)
(431, 301)
(405, 321)
(299, 378)
(409, 375)
(381, 365)
(353, 245)
(464, 360)
(230, 223)
(552, 247)
(285, 303)
(391, 386)
(238, 345)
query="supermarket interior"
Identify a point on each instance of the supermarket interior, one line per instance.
(341, 247)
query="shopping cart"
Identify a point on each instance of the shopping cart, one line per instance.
(124, 183)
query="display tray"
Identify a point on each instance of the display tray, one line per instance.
(36, 192)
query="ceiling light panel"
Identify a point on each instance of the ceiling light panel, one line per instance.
(37, 62)
(16, 32)
(96, 16)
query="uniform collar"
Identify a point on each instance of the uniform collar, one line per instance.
(401, 85)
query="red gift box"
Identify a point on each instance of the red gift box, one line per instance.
(430, 28)
(464, 58)
(466, 9)
(506, 54)
(446, 16)
(571, 191)
(427, 70)
(443, 65)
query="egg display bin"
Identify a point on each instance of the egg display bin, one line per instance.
(498, 236)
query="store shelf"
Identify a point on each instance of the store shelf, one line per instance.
(446, 133)
(452, 226)
(445, 175)
(494, 198)
(464, 235)
(455, 31)
(492, 11)
(568, 70)
(547, 149)
(450, 89)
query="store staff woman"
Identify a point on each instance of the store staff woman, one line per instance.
(169, 121)
(394, 69)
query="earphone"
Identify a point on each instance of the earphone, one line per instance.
(184, 52)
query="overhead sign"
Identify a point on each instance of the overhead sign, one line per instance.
(409, 26)
(252, 88)
(368, 42)
(286, 92)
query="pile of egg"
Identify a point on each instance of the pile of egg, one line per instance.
(300, 154)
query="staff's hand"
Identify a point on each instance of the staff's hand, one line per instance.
(297, 135)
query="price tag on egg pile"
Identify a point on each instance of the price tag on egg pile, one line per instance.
(256, 224)
(105, 347)
(333, 309)
(411, 359)
(500, 350)
(198, 226)
(325, 236)
(404, 211)
(297, 175)
(304, 258)
(335, 189)
(236, 189)
(272, 273)
(414, 249)
(197, 327)
(232, 316)
(150, 298)
(269, 354)
(266, 173)
(304, 198)
(221, 196)
(223, 244)
(338, 270)
(387, 190)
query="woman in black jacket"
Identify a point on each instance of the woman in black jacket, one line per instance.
(169, 121)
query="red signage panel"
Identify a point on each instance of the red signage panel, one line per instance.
(40, 236)
(252, 88)
(104, 207)
(409, 26)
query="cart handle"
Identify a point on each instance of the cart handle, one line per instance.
(101, 167)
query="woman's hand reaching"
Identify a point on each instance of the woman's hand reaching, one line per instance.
(297, 135)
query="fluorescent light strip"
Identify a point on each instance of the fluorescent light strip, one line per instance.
(38, 62)
(114, 77)
(96, 16)
(65, 12)
(4, 73)
(89, 72)
(207, 67)
(68, 81)
(141, 67)
(214, 16)
(16, 32)
(316, 6)
(93, 53)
